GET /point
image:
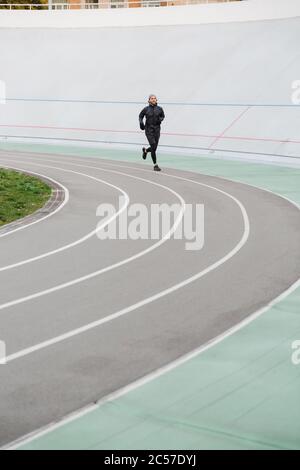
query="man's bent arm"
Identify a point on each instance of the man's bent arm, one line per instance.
(141, 116)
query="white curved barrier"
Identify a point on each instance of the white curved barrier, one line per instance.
(224, 87)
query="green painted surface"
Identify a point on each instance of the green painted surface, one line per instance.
(243, 393)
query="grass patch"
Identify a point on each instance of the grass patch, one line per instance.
(20, 195)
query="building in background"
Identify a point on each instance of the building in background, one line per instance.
(77, 4)
(96, 4)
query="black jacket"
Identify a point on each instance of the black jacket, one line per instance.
(154, 116)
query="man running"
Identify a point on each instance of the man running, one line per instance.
(154, 116)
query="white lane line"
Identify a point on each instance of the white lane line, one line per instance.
(59, 208)
(137, 305)
(93, 232)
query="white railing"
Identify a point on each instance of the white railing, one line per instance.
(102, 4)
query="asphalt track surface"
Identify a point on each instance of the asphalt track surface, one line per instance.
(83, 317)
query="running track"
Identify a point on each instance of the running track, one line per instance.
(82, 318)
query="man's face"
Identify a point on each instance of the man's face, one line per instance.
(153, 99)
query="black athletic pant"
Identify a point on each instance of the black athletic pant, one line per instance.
(153, 135)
